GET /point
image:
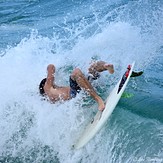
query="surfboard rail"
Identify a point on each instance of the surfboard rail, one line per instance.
(101, 117)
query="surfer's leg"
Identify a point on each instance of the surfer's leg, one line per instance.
(79, 77)
(98, 67)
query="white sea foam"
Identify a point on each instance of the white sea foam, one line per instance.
(27, 121)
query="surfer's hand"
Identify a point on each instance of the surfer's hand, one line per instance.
(101, 106)
(101, 109)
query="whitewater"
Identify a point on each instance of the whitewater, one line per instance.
(71, 34)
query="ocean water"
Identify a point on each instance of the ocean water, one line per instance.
(71, 34)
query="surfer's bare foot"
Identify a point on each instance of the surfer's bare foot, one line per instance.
(100, 66)
(101, 105)
(109, 67)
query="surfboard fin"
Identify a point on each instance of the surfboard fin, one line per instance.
(127, 95)
(135, 74)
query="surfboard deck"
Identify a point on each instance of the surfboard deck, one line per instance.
(101, 117)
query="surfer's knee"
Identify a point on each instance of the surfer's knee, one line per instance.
(76, 73)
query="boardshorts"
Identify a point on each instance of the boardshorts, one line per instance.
(74, 88)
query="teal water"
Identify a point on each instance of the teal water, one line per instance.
(70, 34)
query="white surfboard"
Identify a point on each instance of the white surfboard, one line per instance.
(101, 117)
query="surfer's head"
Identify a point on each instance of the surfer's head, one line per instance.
(41, 86)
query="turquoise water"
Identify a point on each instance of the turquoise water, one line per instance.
(70, 34)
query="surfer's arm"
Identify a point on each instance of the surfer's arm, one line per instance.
(50, 75)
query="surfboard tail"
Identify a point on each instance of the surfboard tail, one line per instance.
(124, 78)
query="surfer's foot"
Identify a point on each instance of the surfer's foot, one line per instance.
(101, 105)
(109, 67)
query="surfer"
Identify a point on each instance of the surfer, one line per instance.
(77, 81)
